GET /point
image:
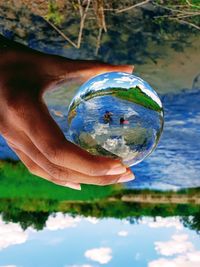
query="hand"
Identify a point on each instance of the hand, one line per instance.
(31, 132)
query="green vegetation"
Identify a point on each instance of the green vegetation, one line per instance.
(53, 13)
(35, 212)
(30, 200)
(137, 96)
(17, 182)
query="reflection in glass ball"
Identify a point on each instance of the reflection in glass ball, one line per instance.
(117, 115)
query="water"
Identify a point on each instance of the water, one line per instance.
(176, 162)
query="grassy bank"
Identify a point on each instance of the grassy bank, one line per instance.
(30, 200)
(16, 182)
(135, 95)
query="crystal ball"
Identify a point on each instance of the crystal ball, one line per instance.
(117, 115)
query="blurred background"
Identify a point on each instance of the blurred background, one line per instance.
(151, 221)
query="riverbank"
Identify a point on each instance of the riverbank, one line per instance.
(30, 200)
(18, 183)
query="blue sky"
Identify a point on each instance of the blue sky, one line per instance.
(89, 242)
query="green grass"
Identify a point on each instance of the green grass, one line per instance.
(137, 96)
(17, 182)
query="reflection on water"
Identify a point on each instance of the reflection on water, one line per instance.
(123, 229)
(90, 242)
(161, 230)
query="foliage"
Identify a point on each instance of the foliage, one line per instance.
(35, 213)
(53, 13)
(29, 200)
(137, 96)
(192, 222)
(155, 21)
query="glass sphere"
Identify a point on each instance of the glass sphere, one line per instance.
(117, 115)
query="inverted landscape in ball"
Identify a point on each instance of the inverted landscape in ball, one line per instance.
(118, 115)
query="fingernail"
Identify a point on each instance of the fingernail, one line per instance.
(117, 170)
(73, 186)
(126, 177)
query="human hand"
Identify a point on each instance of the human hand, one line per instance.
(32, 133)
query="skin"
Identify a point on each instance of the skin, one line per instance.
(31, 132)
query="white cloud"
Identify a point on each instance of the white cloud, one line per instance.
(92, 220)
(180, 238)
(179, 244)
(191, 259)
(164, 222)
(102, 255)
(8, 266)
(195, 119)
(11, 234)
(100, 130)
(187, 256)
(179, 163)
(124, 221)
(174, 123)
(126, 78)
(122, 233)
(61, 221)
(98, 84)
(131, 112)
(84, 265)
(91, 105)
(194, 256)
(124, 73)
